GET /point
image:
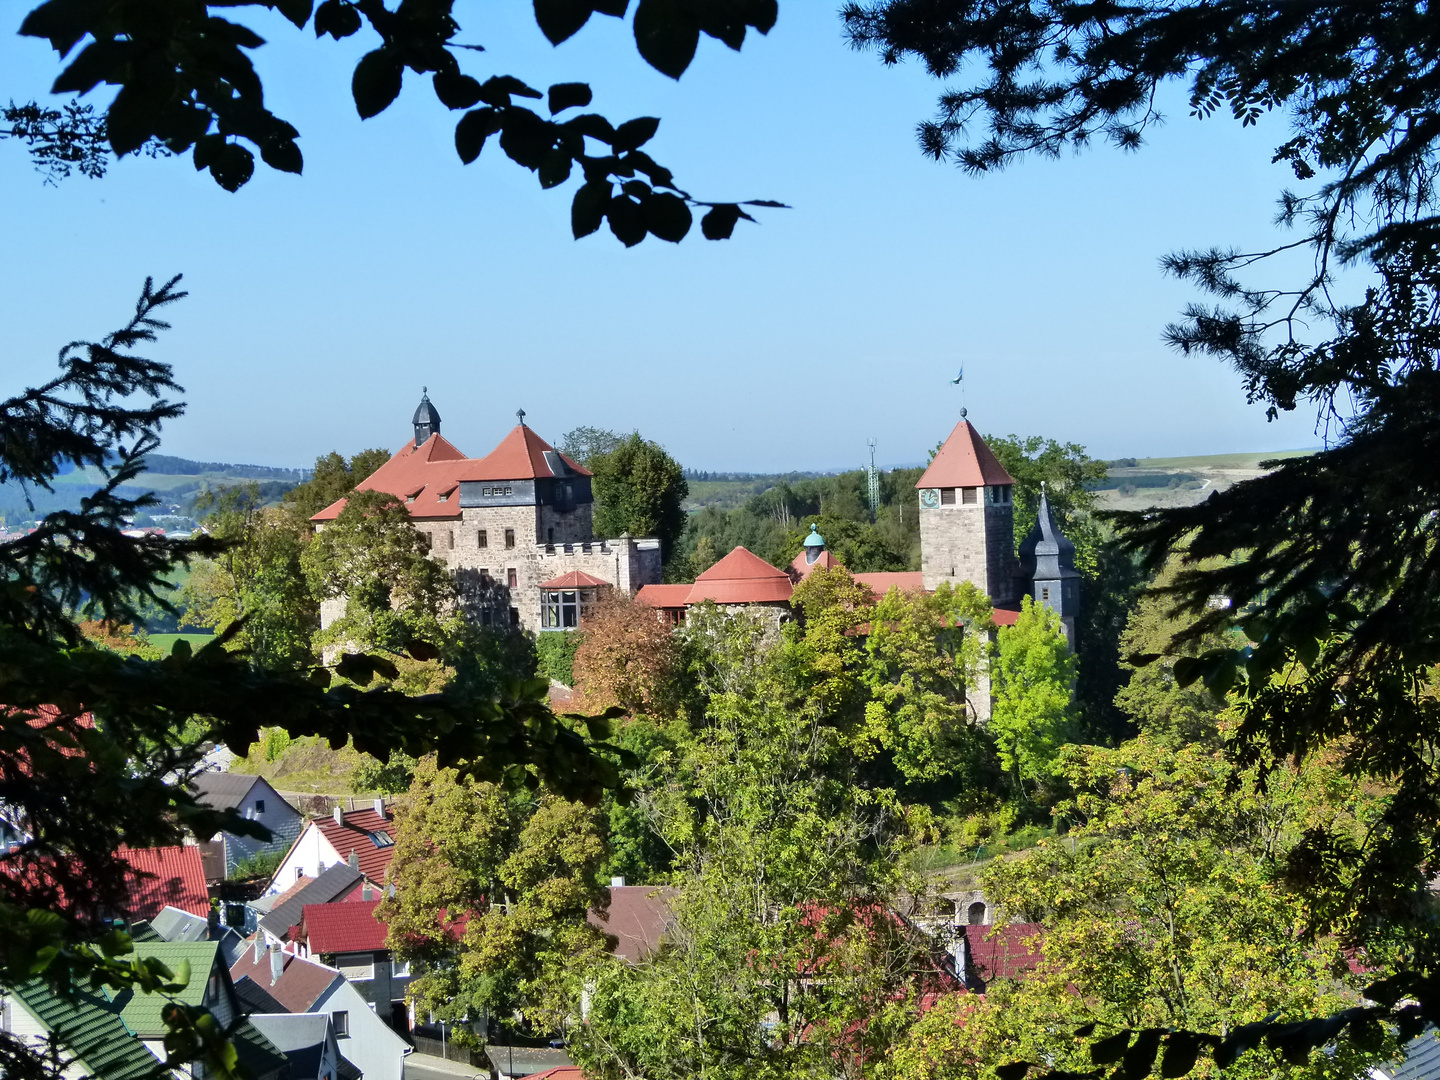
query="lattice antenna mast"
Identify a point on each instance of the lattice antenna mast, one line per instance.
(874, 478)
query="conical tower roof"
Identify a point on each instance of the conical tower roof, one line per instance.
(964, 460)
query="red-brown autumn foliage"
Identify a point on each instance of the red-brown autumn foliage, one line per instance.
(627, 657)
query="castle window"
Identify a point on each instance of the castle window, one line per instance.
(450, 539)
(509, 491)
(482, 540)
(947, 496)
(509, 538)
(550, 534)
(562, 610)
(972, 495)
(510, 578)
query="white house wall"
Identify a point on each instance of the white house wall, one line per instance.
(312, 853)
(373, 1046)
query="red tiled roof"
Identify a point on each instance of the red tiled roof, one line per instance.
(421, 474)
(300, 984)
(741, 577)
(345, 927)
(575, 579)
(560, 1072)
(1003, 952)
(176, 877)
(882, 581)
(1004, 616)
(664, 596)
(964, 461)
(355, 835)
(520, 456)
(637, 918)
(800, 569)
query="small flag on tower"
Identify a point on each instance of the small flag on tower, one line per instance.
(959, 376)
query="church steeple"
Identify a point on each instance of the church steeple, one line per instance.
(1047, 568)
(427, 418)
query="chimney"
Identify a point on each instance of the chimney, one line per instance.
(617, 882)
(212, 922)
(277, 964)
(354, 860)
(339, 817)
(367, 893)
(380, 808)
(259, 946)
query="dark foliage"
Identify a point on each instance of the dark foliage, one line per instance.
(186, 84)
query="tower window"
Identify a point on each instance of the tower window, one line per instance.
(971, 496)
(450, 539)
(947, 496)
(550, 533)
(1044, 593)
(482, 540)
(510, 578)
(509, 538)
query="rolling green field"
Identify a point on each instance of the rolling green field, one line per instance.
(166, 642)
(1219, 461)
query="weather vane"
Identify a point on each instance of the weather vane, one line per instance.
(520, 415)
(959, 380)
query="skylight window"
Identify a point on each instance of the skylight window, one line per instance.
(381, 839)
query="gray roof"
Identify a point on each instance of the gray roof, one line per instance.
(339, 879)
(172, 924)
(223, 790)
(1421, 1061)
(301, 1037)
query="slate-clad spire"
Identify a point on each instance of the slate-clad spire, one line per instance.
(1047, 567)
(427, 418)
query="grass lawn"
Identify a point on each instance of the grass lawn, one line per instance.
(166, 642)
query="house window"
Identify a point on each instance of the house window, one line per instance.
(482, 540)
(259, 806)
(509, 538)
(972, 495)
(399, 969)
(511, 578)
(357, 967)
(299, 872)
(561, 610)
(947, 496)
(341, 1019)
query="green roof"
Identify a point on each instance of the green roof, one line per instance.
(91, 1028)
(142, 1012)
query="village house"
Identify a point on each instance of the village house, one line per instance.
(514, 527)
(254, 799)
(270, 980)
(308, 1042)
(349, 937)
(279, 913)
(119, 1035)
(164, 877)
(364, 839)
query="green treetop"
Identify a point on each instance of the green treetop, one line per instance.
(1031, 678)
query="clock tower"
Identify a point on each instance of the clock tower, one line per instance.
(967, 518)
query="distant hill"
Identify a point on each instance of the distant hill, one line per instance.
(175, 481)
(1141, 483)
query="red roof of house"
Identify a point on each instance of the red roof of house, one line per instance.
(342, 928)
(964, 461)
(1004, 616)
(664, 596)
(560, 1072)
(520, 456)
(575, 579)
(161, 876)
(418, 476)
(637, 917)
(354, 835)
(300, 984)
(882, 581)
(800, 569)
(741, 577)
(1003, 952)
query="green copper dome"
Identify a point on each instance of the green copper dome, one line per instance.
(814, 540)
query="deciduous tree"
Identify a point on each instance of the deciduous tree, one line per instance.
(1032, 675)
(640, 490)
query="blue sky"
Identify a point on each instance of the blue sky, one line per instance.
(321, 304)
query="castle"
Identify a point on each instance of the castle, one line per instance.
(515, 527)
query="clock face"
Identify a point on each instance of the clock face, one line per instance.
(929, 497)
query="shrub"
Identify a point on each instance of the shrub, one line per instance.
(556, 651)
(261, 864)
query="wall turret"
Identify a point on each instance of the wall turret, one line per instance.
(1047, 568)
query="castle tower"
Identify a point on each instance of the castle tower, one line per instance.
(426, 419)
(967, 518)
(1047, 569)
